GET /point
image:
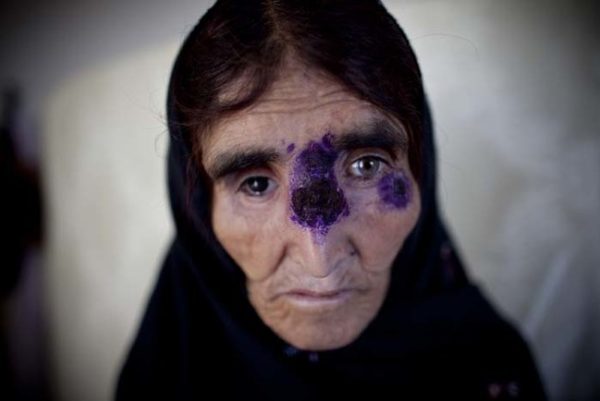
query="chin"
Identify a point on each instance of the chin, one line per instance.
(326, 336)
(317, 344)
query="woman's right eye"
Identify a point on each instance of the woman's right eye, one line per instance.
(258, 186)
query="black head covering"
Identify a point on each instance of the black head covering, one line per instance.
(435, 335)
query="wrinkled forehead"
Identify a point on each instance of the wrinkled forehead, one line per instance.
(300, 106)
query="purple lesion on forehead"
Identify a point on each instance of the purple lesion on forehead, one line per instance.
(395, 190)
(317, 201)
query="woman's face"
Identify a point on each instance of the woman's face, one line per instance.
(313, 198)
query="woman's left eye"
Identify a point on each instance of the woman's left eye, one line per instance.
(366, 167)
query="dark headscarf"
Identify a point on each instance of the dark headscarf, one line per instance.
(435, 336)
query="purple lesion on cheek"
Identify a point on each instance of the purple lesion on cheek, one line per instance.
(395, 190)
(317, 201)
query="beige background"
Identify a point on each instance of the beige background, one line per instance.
(515, 92)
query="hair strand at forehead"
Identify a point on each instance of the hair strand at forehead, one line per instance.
(244, 44)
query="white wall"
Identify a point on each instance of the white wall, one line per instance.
(109, 222)
(515, 91)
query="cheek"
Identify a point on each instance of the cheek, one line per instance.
(249, 238)
(379, 231)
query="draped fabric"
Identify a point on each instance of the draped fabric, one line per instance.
(435, 336)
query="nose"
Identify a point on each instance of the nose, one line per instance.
(318, 254)
(319, 204)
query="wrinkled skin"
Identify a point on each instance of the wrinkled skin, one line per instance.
(316, 289)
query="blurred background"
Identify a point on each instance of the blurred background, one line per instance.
(515, 91)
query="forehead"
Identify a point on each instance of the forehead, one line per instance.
(300, 106)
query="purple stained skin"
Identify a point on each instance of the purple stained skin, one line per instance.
(317, 201)
(291, 148)
(394, 190)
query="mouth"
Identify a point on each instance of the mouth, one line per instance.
(312, 299)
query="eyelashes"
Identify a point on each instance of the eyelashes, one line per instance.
(258, 186)
(362, 169)
(366, 167)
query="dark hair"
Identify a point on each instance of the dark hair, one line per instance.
(357, 43)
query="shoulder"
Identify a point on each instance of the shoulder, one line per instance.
(490, 349)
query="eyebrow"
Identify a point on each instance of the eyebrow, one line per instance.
(233, 161)
(378, 133)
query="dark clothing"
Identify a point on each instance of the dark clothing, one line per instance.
(449, 346)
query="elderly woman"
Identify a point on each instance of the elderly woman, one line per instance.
(310, 260)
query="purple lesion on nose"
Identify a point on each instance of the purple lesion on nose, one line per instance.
(394, 190)
(318, 204)
(317, 201)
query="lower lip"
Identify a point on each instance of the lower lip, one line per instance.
(311, 301)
